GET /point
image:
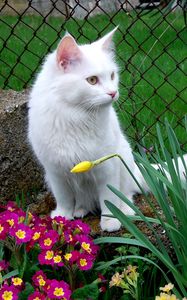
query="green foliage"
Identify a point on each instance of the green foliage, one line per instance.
(171, 194)
(87, 291)
(152, 61)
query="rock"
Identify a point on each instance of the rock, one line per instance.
(19, 171)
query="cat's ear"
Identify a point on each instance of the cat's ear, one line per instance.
(68, 52)
(106, 41)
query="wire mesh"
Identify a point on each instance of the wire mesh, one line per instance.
(151, 48)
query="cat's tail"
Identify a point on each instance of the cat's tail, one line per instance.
(182, 166)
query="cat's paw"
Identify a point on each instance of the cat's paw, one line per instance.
(110, 224)
(58, 212)
(80, 213)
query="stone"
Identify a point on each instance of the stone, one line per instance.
(19, 170)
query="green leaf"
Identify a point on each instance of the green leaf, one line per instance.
(26, 292)
(87, 291)
(10, 274)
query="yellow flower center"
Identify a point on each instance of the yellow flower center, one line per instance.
(1, 228)
(58, 292)
(86, 247)
(47, 242)
(7, 295)
(21, 219)
(57, 258)
(10, 222)
(67, 256)
(83, 262)
(41, 282)
(49, 255)
(21, 234)
(17, 281)
(36, 236)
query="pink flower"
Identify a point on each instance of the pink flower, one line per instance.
(72, 256)
(57, 259)
(11, 218)
(4, 228)
(37, 296)
(17, 282)
(9, 292)
(3, 265)
(46, 257)
(85, 261)
(58, 290)
(48, 239)
(11, 206)
(39, 279)
(87, 244)
(22, 233)
(80, 227)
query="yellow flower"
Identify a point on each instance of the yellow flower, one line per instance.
(116, 280)
(164, 296)
(167, 288)
(86, 165)
(83, 166)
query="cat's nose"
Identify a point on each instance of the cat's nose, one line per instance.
(112, 94)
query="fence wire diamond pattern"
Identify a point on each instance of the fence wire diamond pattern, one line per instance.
(151, 49)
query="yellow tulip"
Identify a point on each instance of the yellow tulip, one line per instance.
(83, 166)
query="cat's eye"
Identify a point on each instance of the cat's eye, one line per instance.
(112, 76)
(92, 80)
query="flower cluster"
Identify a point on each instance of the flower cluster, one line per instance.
(58, 243)
(49, 289)
(127, 280)
(166, 293)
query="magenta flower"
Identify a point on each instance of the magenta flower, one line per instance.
(57, 260)
(37, 296)
(39, 279)
(85, 261)
(22, 233)
(87, 244)
(17, 282)
(3, 265)
(11, 218)
(80, 227)
(11, 206)
(4, 228)
(60, 221)
(58, 290)
(72, 256)
(48, 239)
(46, 257)
(9, 292)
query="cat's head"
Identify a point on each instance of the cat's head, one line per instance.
(88, 74)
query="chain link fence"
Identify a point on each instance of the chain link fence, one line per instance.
(151, 50)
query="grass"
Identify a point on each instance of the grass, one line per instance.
(150, 52)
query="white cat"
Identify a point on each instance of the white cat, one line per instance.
(71, 119)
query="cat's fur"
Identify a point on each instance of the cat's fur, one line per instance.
(71, 120)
